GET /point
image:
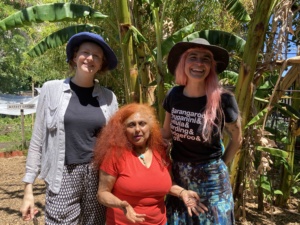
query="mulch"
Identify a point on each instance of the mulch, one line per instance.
(11, 191)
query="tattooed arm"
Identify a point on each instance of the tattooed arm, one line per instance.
(235, 133)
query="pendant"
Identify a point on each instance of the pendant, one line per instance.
(142, 157)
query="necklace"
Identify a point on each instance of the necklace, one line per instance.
(142, 157)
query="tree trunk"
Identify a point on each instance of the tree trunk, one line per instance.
(244, 91)
(159, 77)
(130, 69)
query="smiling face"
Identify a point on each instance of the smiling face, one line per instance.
(198, 64)
(88, 58)
(137, 130)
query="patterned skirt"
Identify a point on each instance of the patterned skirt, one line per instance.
(211, 182)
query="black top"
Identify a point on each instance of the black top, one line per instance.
(83, 120)
(186, 125)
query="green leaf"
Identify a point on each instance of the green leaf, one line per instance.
(236, 8)
(49, 12)
(257, 117)
(59, 38)
(288, 110)
(273, 151)
(294, 190)
(176, 37)
(228, 77)
(155, 3)
(126, 38)
(264, 183)
(137, 36)
(229, 41)
(285, 140)
(283, 108)
(278, 192)
(297, 178)
(261, 99)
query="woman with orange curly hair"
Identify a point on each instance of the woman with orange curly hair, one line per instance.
(134, 175)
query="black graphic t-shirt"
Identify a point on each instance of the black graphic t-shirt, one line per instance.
(186, 122)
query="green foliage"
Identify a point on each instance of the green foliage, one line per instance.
(229, 41)
(60, 37)
(55, 12)
(135, 34)
(288, 111)
(17, 70)
(273, 151)
(265, 184)
(267, 83)
(11, 131)
(237, 9)
(257, 117)
(13, 44)
(177, 36)
(295, 184)
(228, 77)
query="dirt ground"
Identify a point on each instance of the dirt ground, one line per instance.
(11, 191)
(11, 194)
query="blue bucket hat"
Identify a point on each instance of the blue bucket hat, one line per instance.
(77, 39)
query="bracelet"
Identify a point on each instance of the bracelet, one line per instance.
(179, 196)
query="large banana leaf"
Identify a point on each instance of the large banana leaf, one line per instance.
(176, 37)
(288, 110)
(257, 118)
(231, 42)
(273, 151)
(49, 12)
(237, 10)
(285, 109)
(60, 37)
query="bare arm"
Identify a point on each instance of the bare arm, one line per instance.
(235, 133)
(166, 129)
(107, 198)
(190, 198)
(27, 208)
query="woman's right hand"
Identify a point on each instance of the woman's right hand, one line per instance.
(27, 208)
(130, 214)
(192, 201)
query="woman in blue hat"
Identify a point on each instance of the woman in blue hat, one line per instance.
(197, 110)
(70, 114)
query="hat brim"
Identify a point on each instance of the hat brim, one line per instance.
(79, 38)
(221, 55)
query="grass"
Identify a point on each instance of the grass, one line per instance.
(11, 132)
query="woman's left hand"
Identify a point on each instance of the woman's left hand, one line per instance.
(131, 215)
(192, 201)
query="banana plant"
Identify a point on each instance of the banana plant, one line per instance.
(56, 12)
(244, 91)
(237, 9)
(287, 181)
(60, 37)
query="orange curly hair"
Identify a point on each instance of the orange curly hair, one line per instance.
(112, 140)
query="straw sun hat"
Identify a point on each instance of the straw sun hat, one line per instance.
(221, 55)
